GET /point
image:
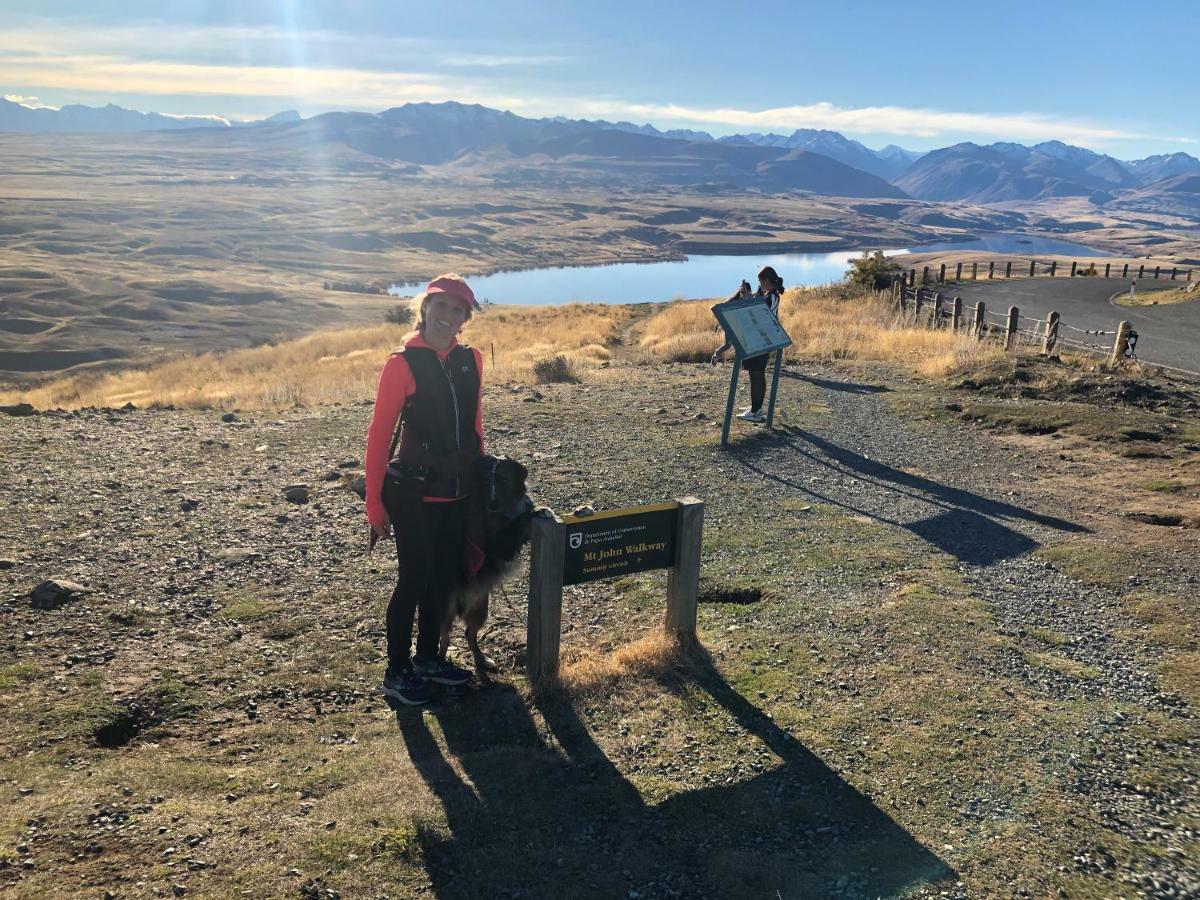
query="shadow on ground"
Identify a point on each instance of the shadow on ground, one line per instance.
(845, 387)
(966, 525)
(529, 820)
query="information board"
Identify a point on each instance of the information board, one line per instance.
(619, 541)
(751, 326)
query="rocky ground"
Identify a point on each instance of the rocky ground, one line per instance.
(939, 658)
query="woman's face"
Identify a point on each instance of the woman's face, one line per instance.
(444, 318)
(763, 283)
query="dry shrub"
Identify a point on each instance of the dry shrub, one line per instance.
(593, 672)
(555, 370)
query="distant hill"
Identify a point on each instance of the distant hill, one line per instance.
(1006, 171)
(436, 134)
(74, 118)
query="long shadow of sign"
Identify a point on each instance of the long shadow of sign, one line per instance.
(965, 524)
(531, 821)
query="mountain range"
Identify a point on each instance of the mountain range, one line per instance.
(817, 161)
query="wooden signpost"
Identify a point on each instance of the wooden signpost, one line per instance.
(754, 331)
(577, 549)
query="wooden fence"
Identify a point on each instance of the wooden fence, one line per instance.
(975, 271)
(932, 309)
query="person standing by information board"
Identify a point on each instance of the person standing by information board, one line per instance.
(770, 289)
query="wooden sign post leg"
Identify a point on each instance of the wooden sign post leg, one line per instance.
(547, 547)
(733, 380)
(774, 388)
(683, 582)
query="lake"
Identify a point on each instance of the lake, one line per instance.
(710, 276)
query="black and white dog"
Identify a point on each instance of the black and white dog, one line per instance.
(498, 527)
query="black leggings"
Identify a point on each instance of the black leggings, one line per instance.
(756, 368)
(431, 547)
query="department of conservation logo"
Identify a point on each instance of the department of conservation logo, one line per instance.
(576, 540)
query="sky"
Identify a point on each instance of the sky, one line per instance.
(918, 74)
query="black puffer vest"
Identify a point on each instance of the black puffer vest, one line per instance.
(438, 419)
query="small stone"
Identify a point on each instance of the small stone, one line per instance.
(18, 409)
(348, 464)
(331, 475)
(178, 889)
(6, 563)
(129, 407)
(188, 504)
(359, 486)
(229, 417)
(55, 592)
(296, 493)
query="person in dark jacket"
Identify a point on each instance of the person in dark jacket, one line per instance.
(426, 434)
(770, 289)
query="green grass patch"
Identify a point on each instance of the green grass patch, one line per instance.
(1087, 559)
(14, 675)
(1159, 296)
(1046, 636)
(1163, 487)
(1062, 665)
(251, 610)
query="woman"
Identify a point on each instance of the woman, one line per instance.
(428, 422)
(770, 288)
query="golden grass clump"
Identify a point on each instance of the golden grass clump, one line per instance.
(829, 323)
(338, 366)
(593, 672)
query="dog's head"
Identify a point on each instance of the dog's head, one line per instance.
(507, 506)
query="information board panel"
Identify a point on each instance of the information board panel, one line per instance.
(619, 542)
(751, 326)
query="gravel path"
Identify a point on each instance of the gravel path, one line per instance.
(173, 518)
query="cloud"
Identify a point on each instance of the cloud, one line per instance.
(897, 120)
(27, 102)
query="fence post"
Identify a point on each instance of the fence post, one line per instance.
(974, 271)
(1074, 265)
(957, 314)
(1156, 273)
(958, 272)
(1125, 271)
(1010, 333)
(1032, 267)
(1173, 272)
(936, 322)
(1141, 270)
(1053, 267)
(1107, 269)
(977, 326)
(925, 275)
(991, 269)
(912, 277)
(1008, 269)
(1120, 344)
(1051, 337)
(903, 301)
(942, 274)
(917, 307)
(683, 581)
(548, 542)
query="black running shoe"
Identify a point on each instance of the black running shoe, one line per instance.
(441, 671)
(406, 687)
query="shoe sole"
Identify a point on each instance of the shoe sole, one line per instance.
(400, 698)
(448, 682)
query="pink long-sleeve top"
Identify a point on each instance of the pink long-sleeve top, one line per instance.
(396, 385)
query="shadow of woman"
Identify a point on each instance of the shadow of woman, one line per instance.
(536, 808)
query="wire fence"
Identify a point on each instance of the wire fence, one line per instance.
(936, 310)
(991, 270)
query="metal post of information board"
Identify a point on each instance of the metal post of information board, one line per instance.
(733, 380)
(774, 388)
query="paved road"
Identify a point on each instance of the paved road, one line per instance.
(1169, 335)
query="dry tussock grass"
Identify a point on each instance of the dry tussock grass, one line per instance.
(338, 366)
(593, 672)
(825, 323)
